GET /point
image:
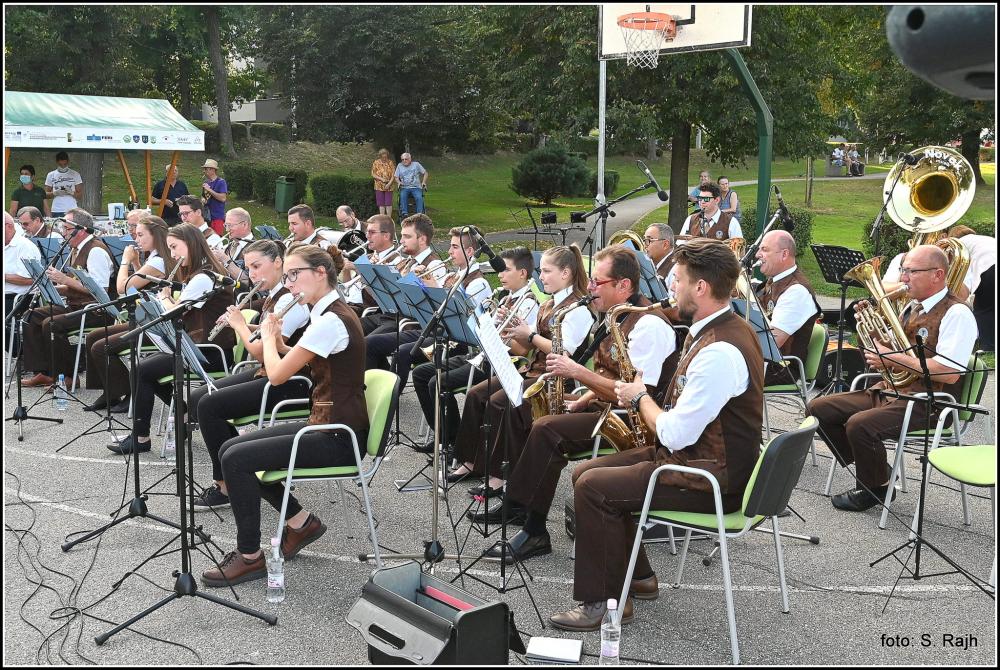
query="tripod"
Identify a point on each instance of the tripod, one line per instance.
(184, 584)
(21, 413)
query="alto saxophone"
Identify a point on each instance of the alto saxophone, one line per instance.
(218, 328)
(552, 401)
(612, 428)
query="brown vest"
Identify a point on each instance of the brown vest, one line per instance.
(208, 232)
(468, 279)
(338, 392)
(78, 259)
(932, 322)
(798, 342)
(607, 355)
(544, 327)
(730, 444)
(663, 270)
(718, 231)
(199, 322)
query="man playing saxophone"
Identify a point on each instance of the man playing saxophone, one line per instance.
(650, 350)
(855, 424)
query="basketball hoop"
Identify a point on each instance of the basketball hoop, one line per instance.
(644, 34)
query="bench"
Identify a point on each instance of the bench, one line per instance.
(834, 170)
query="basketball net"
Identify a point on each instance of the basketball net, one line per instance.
(644, 34)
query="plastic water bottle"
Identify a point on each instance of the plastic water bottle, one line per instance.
(611, 633)
(62, 400)
(275, 573)
(170, 441)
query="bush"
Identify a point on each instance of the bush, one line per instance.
(802, 230)
(520, 143)
(329, 191)
(895, 240)
(547, 172)
(239, 178)
(611, 178)
(264, 179)
(269, 131)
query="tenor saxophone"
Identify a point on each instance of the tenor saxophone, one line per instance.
(547, 395)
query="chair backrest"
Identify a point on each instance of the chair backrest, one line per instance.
(974, 384)
(382, 399)
(777, 471)
(817, 347)
(239, 351)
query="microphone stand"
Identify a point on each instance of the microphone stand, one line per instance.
(604, 211)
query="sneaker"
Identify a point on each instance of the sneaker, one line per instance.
(210, 498)
(128, 444)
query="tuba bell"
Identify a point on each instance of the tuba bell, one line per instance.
(626, 235)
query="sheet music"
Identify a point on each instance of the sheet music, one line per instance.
(496, 352)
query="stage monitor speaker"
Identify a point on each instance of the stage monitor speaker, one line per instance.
(409, 617)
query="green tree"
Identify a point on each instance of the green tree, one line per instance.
(547, 172)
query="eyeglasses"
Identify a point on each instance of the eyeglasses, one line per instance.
(908, 271)
(705, 198)
(293, 275)
(185, 214)
(593, 283)
(650, 240)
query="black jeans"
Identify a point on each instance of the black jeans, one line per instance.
(236, 396)
(984, 309)
(269, 449)
(425, 384)
(150, 370)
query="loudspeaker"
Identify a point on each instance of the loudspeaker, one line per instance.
(409, 617)
(852, 364)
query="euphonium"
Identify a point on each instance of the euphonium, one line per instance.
(552, 401)
(880, 320)
(218, 328)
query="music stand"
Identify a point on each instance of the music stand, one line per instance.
(268, 233)
(117, 246)
(834, 263)
(51, 248)
(650, 284)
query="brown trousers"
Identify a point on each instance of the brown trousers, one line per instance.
(508, 428)
(607, 490)
(41, 329)
(103, 352)
(854, 425)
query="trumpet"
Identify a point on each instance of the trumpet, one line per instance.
(516, 314)
(298, 298)
(222, 243)
(434, 267)
(221, 325)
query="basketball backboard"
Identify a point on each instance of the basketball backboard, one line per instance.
(700, 27)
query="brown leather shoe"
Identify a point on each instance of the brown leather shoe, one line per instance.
(587, 616)
(235, 570)
(38, 380)
(645, 589)
(293, 539)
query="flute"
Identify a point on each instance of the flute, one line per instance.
(218, 328)
(256, 336)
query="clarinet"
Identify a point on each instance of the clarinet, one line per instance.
(221, 325)
(257, 335)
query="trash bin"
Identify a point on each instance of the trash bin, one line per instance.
(284, 193)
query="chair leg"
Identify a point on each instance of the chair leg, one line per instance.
(76, 362)
(829, 477)
(781, 563)
(896, 475)
(805, 410)
(636, 544)
(767, 422)
(281, 515)
(572, 550)
(163, 447)
(993, 520)
(352, 524)
(902, 473)
(673, 543)
(684, 553)
(371, 523)
(966, 518)
(730, 608)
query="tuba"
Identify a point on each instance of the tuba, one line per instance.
(626, 235)
(547, 395)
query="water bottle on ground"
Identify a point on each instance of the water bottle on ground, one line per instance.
(62, 399)
(170, 441)
(275, 573)
(611, 633)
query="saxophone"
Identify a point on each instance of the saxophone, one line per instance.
(552, 401)
(612, 428)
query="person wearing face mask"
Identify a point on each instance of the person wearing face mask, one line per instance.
(64, 185)
(28, 194)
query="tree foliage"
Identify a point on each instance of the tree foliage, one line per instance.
(548, 172)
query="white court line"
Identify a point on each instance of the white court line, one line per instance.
(158, 462)
(561, 581)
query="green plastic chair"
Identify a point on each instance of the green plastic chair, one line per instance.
(382, 398)
(767, 493)
(806, 378)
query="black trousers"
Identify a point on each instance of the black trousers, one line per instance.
(984, 308)
(148, 388)
(236, 396)
(378, 323)
(105, 369)
(269, 449)
(456, 377)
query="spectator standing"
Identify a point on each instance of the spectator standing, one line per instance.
(64, 185)
(730, 201)
(171, 215)
(28, 194)
(412, 179)
(703, 179)
(214, 192)
(383, 169)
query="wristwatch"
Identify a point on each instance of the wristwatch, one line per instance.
(635, 401)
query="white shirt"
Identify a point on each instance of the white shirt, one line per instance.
(957, 334)
(734, 225)
(532, 314)
(99, 264)
(196, 287)
(717, 373)
(982, 256)
(576, 325)
(326, 333)
(154, 261)
(794, 307)
(20, 247)
(240, 244)
(650, 343)
(212, 239)
(668, 281)
(893, 273)
(478, 290)
(65, 181)
(295, 318)
(440, 267)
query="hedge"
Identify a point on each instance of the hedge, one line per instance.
(801, 231)
(270, 131)
(211, 130)
(266, 176)
(894, 240)
(239, 178)
(611, 178)
(330, 191)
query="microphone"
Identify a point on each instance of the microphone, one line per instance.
(786, 219)
(220, 280)
(652, 180)
(160, 282)
(909, 159)
(496, 262)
